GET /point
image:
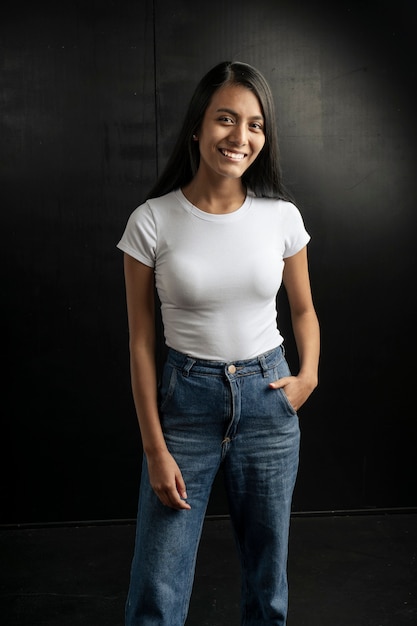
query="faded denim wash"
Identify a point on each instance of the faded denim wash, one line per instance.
(215, 414)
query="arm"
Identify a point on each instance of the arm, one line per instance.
(306, 330)
(164, 473)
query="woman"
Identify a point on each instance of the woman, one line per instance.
(217, 237)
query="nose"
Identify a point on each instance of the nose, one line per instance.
(238, 135)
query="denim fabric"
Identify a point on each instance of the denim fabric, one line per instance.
(215, 414)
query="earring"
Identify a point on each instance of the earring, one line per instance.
(195, 137)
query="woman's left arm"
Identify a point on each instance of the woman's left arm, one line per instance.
(306, 330)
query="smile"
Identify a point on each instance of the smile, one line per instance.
(236, 156)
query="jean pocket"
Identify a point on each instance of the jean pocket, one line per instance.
(167, 387)
(287, 402)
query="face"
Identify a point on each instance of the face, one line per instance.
(232, 132)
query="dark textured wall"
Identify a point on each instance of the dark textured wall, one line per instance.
(92, 94)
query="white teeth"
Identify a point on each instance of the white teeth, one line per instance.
(233, 155)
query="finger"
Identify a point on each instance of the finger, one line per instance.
(181, 486)
(278, 384)
(176, 502)
(182, 492)
(170, 497)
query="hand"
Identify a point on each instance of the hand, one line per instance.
(296, 388)
(167, 481)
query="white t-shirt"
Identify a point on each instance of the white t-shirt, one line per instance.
(217, 276)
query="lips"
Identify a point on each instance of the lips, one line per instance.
(236, 156)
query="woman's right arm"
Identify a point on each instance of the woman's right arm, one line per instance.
(164, 473)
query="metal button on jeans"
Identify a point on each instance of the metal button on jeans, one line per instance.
(232, 369)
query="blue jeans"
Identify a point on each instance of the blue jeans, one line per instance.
(215, 414)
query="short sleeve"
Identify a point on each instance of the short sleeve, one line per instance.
(296, 236)
(139, 238)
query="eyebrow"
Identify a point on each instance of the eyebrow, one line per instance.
(226, 110)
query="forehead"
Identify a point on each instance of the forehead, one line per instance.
(236, 98)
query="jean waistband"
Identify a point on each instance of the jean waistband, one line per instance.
(261, 363)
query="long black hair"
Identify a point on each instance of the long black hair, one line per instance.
(263, 177)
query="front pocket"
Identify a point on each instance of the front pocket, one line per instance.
(287, 402)
(169, 380)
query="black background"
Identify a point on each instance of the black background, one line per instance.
(92, 95)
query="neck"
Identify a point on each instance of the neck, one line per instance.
(219, 198)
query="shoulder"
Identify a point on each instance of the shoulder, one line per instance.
(153, 209)
(162, 203)
(276, 207)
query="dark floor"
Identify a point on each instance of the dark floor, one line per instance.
(356, 570)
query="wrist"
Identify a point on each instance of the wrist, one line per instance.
(154, 451)
(309, 379)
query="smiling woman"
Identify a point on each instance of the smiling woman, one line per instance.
(264, 177)
(216, 237)
(230, 139)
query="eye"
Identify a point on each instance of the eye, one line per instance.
(226, 119)
(256, 126)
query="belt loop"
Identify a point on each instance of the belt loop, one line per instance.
(262, 363)
(187, 366)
